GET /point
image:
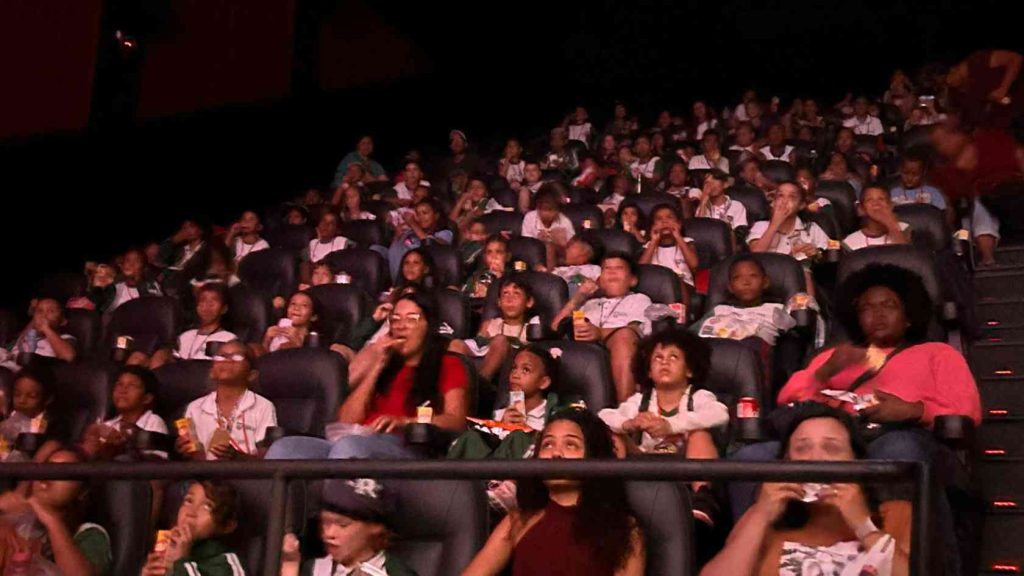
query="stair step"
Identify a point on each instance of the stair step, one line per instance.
(1001, 437)
(1002, 332)
(1005, 310)
(1000, 544)
(1000, 477)
(997, 358)
(1001, 397)
(998, 281)
(1010, 255)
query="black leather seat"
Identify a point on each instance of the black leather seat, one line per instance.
(660, 284)
(778, 170)
(696, 176)
(585, 373)
(85, 389)
(736, 372)
(306, 385)
(529, 250)
(916, 137)
(584, 216)
(84, 325)
(665, 514)
(292, 237)
(648, 200)
(62, 286)
(447, 265)
(123, 508)
(505, 196)
(753, 199)
(608, 240)
(844, 202)
(154, 322)
(364, 233)
(341, 307)
(271, 273)
(248, 314)
(501, 221)
(180, 384)
(368, 269)
(826, 220)
(711, 237)
(928, 226)
(550, 293)
(455, 311)
(785, 276)
(581, 195)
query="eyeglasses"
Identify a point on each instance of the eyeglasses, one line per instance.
(229, 358)
(413, 318)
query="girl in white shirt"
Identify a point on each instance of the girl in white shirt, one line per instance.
(244, 236)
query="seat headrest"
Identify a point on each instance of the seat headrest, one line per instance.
(711, 237)
(928, 226)
(785, 275)
(660, 284)
(368, 269)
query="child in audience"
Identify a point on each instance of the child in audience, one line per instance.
(427, 225)
(44, 337)
(580, 258)
(669, 248)
(134, 283)
(912, 188)
(534, 374)
(354, 527)
(619, 186)
(68, 545)
(547, 223)
(507, 332)
(495, 261)
(647, 168)
(786, 233)
(184, 256)
(616, 318)
(322, 274)
(805, 178)
(879, 225)
(327, 239)
(472, 204)
(134, 395)
(296, 216)
(746, 314)
(511, 167)
(350, 205)
(412, 178)
(221, 268)
(230, 422)
(244, 236)
(531, 184)
(211, 306)
(632, 221)
(292, 330)
(471, 243)
(207, 516)
(715, 203)
(34, 409)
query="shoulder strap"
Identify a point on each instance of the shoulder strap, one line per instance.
(869, 374)
(689, 398)
(645, 401)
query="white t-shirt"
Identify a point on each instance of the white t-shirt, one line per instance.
(785, 156)
(613, 201)
(740, 113)
(766, 322)
(859, 239)
(532, 226)
(700, 162)
(645, 169)
(809, 233)
(534, 418)
(704, 127)
(247, 426)
(43, 347)
(149, 422)
(732, 213)
(403, 191)
(580, 132)
(619, 312)
(319, 250)
(516, 172)
(707, 413)
(192, 344)
(870, 125)
(187, 252)
(241, 249)
(671, 257)
(682, 191)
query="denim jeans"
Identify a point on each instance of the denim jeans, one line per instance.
(377, 446)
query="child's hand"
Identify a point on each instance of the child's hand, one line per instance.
(513, 416)
(658, 427)
(180, 544)
(290, 549)
(586, 332)
(380, 313)
(587, 288)
(631, 425)
(156, 565)
(224, 451)
(182, 446)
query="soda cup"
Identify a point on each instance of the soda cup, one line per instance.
(578, 319)
(424, 414)
(517, 400)
(748, 407)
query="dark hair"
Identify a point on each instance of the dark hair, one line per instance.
(499, 238)
(517, 281)
(674, 209)
(55, 405)
(914, 156)
(226, 503)
(428, 373)
(314, 322)
(750, 259)
(218, 288)
(442, 217)
(549, 192)
(620, 256)
(596, 249)
(550, 363)
(150, 383)
(917, 303)
(428, 281)
(603, 518)
(641, 219)
(695, 348)
(864, 191)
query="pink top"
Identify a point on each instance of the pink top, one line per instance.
(932, 373)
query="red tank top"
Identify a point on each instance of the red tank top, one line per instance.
(549, 547)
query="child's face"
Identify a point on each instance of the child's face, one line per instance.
(50, 311)
(425, 216)
(749, 172)
(608, 143)
(630, 216)
(844, 140)
(668, 367)
(131, 265)
(806, 180)
(130, 394)
(196, 512)
(664, 222)
(477, 190)
(296, 217)
(477, 232)
(528, 375)
(496, 256)
(625, 155)
(412, 175)
(153, 253)
(249, 223)
(354, 173)
(328, 227)
(547, 212)
(58, 494)
(791, 195)
(28, 397)
(620, 186)
(616, 279)
(347, 539)
(322, 275)
(911, 175)
(876, 199)
(104, 275)
(210, 308)
(413, 268)
(577, 253)
(513, 302)
(776, 136)
(228, 370)
(532, 173)
(513, 150)
(300, 310)
(191, 231)
(677, 175)
(352, 198)
(643, 147)
(747, 283)
(420, 193)
(744, 136)
(580, 116)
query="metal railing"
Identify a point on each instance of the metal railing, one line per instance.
(280, 472)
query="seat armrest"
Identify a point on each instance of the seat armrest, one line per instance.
(954, 430)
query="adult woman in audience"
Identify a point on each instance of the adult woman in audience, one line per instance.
(567, 527)
(703, 120)
(885, 311)
(784, 533)
(361, 155)
(426, 225)
(388, 380)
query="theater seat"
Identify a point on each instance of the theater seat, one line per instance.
(306, 385)
(364, 233)
(502, 222)
(84, 325)
(447, 264)
(153, 321)
(711, 237)
(63, 286)
(785, 275)
(550, 293)
(584, 216)
(844, 202)
(696, 176)
(647, 201)
(753, 199)
(584, 374)
(292, 237)
(455, 312)
(271, 273)
(505, 196)
(664, 512)
(736, 372)
(85, 389)
(582, 195)
(607, 240)
(181, 383)
(916, 137)
(866, 144)
(826, 220)
(778, 170)
(368, 269)
(341, 307)
(248, 314)
(928, 226)
(529, 250)
(660, 284)
(123, 508)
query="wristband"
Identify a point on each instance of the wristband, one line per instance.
(866, 529)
